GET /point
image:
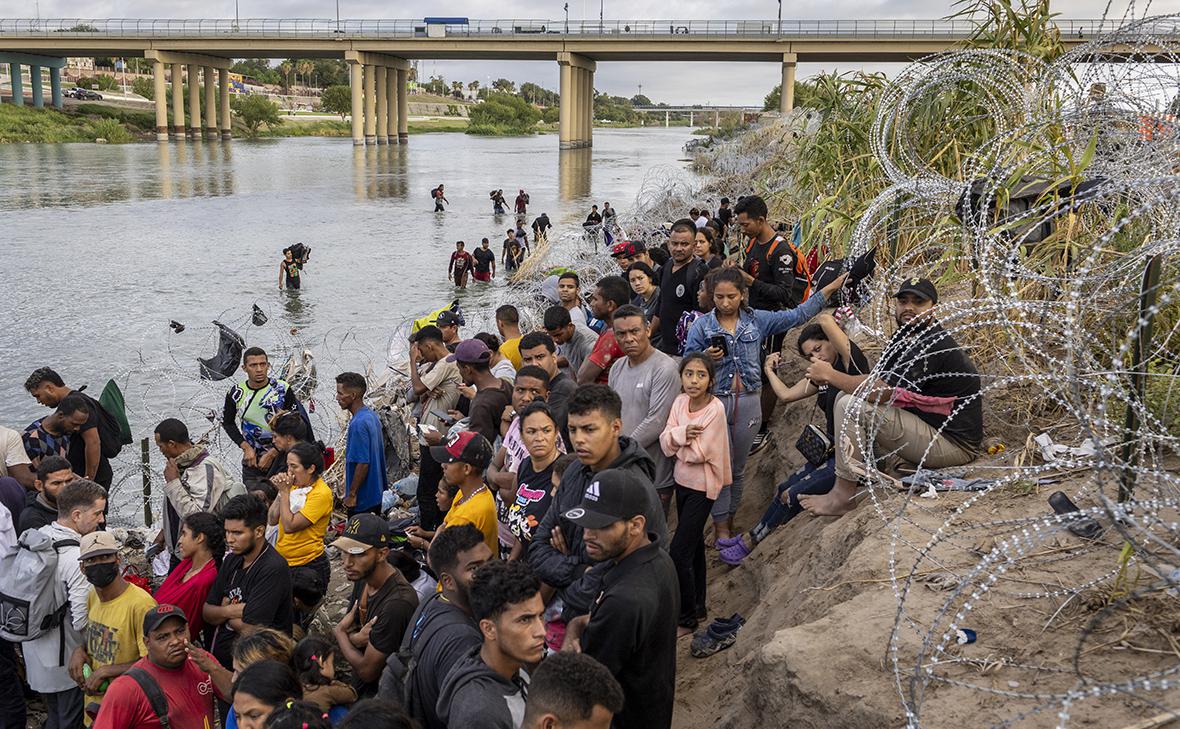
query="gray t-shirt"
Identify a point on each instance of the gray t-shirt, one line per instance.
(647, 391)
(578, 348)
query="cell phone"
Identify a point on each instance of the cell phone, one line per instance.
(442, 415)
(718, 341)
(424, 429)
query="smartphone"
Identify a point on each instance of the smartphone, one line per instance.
(718, 341)
(424, 429)
(442, 415)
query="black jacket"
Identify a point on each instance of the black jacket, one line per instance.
(473, 695)
(568, 572)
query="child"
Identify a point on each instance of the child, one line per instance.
(696, 435)
(421, 538)
(315, 662)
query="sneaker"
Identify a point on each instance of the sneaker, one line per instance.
(761, 439)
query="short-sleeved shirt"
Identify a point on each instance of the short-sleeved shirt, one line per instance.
(301, 547)
(444, 377)
(534, 494)
(40, 443)
(484, 258)
(461, 261)
(480, 511)
(115, 632)
(188, 690)
(265, 587)
(12, 450)
(365, 445)
(606, 353)
(579, 346)
(188, 596)
(487, 408)
(511, 349)
(77, 450)
(391, 606)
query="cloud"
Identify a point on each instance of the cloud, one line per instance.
(676, 83)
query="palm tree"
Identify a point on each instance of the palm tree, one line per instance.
(473, 89)
(285, 69)
(305, 68)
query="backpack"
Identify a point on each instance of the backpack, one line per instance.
(154, 694)
(113, 429)
(31, 601)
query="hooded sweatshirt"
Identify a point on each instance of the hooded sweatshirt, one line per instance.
(568, 572)
(475, 696)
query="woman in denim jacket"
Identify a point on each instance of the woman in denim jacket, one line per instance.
(739, 368)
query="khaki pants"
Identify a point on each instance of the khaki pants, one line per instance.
(897, 432)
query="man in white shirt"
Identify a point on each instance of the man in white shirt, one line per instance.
(14, 462)
(80, 509)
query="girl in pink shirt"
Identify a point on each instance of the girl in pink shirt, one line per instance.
(697, 437)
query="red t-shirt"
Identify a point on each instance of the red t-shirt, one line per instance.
(188, 596)
(606, 351)
(188, 690)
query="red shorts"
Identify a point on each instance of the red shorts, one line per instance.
(482, 276)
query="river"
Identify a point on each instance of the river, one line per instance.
(103, 245)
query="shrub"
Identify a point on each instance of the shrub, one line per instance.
(86, 82)
(111, 130)
(106, 82)
(503, 113)
(336, 100)
(144, 87)
(254, 111)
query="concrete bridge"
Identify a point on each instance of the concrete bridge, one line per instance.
(379, 53)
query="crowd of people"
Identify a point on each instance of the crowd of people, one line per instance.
(480, 264)
(540, 585)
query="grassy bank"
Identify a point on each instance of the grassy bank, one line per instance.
(340, 128)
(83, 123)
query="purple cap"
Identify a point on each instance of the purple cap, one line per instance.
(471, 351)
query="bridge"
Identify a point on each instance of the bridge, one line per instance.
(379, 53)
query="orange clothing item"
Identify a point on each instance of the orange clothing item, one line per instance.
(702, 463)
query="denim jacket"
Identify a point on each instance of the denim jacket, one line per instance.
(745, 344)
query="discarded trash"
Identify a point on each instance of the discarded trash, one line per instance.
(997, 448)
(965, 636)
(1051, 451)
(1083, 527)
(176, 326)
(228, 357)
(259, 317)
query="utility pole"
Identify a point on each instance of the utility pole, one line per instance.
(600, 16)
(780, 17)
(567, 18)
(338, 15)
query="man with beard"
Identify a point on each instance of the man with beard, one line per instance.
(926, 405)
(679, 280)
(80, 420)
(631, 628)
(52, 476)
(442, 630)
(169, 673)
(382, 601)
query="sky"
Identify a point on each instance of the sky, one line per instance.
(674, 83)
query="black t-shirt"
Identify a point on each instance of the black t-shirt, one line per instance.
(931, 362)
(826, 398)
(76, 453)
(534, 494)
(392, 606)
(484, 258)
(35, 515)
(265, 587)
(778, 281)
(487, 407)
(724, 215)
(678, 294)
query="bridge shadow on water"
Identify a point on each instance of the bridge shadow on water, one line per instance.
(379, 171)
(574, 173)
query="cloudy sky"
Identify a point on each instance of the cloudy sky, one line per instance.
(717, 83)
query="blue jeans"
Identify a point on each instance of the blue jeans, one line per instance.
(809, 480)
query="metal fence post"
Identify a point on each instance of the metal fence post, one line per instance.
(1130, 454)
(147, 482)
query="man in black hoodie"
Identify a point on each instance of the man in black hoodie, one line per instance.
(557, 554)
(442, 631)
(486, 688)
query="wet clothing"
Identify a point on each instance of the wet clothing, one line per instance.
(76, 453)
(474, 695)
(484, 259)
(291, 273)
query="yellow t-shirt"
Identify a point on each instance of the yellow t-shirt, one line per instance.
(511, 350)
(479, 510)
(115, 632)
(301, 547)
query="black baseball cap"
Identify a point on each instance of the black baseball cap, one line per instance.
(465, 446)
(447, 318)
(157, 615)
(362, 533)
(918, 287)
(613, 495)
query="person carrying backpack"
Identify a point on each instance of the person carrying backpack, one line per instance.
(439, 198)
(166, 689)
(43, 598)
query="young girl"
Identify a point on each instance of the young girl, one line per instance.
(732, 336)
(696, 436)
(315, 662)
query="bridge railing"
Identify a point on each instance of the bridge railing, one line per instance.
(520, 27)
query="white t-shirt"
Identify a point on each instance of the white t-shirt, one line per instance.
(702, 222)
(46, 673)
(12, 451)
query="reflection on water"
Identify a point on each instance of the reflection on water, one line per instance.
(574, 168)
(297, 311)
(379, 171)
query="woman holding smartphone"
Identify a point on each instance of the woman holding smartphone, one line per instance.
(732, 336)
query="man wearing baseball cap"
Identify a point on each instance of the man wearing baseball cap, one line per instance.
(175, 681)
(629, 251)
(448, 323)
(631, 628)
(492, 394)
(381, 599)
(464, 458)
(926, 405)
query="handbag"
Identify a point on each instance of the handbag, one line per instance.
(814, 443)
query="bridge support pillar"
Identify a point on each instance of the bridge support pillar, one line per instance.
(210, 103)
(370, 104)
(691, 119)
(18, 87)
(161, 94)
(194, 102)
(667, 119)
(786, 101)
(403, 105)
(35, 87)
(356, 83)
(55, 87)
(223, 107)
(716, 119)
(177, 101)
(382, 85)
(390, 110)
(576, 110)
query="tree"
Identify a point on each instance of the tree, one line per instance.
(254, 111)
(285, 69)
(503, 114)
(337, 100)
(473, 88)
(144, 87)
(535, 94)
(504, 86)
(457, 89)
(640, 100)
(437, 85)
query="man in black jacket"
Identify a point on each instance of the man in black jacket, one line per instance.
(631, 629)
(680, 277)
(557, 553)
